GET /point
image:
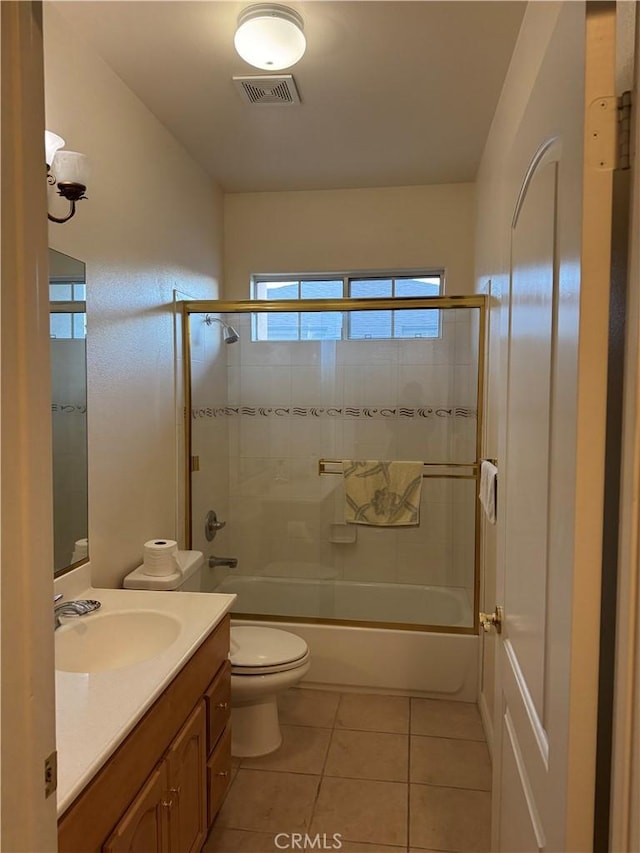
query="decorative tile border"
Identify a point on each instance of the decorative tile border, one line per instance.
(67, 409)
(345, 412)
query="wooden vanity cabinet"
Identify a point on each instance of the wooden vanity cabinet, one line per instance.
(170, 813)
(186, 761)
(218, 699)
(161, 789)
(145, 826)
(218, 775)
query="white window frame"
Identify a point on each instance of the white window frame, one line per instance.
(76, 305)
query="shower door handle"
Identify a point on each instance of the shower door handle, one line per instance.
(492, 620)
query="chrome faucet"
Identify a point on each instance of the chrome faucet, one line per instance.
(229, 562)
(79, 607)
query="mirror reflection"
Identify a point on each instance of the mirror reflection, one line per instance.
(67, 313)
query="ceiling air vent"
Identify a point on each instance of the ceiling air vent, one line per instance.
(274, 89)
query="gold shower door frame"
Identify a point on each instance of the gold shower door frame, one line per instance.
(257, 306)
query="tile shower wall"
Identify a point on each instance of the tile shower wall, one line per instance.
(285, 405)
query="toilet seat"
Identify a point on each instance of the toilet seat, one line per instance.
(261, 651)
(269, 670)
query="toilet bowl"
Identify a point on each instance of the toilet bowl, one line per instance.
(264, 662)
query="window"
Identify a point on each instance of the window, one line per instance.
(353, 325)
(67, 310)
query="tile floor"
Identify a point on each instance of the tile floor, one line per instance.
(390, 774)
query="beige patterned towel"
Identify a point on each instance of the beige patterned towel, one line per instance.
(386, 494)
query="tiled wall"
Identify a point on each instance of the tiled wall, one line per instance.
(265, 413)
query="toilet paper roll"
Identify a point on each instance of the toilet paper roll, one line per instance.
(161, 557)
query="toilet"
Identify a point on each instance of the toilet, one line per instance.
(264, 662)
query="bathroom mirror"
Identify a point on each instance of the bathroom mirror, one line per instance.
(67, 316)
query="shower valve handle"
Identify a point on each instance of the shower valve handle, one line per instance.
(212, 525)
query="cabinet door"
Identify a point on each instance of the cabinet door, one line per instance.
(186, 761)
(144, 827)
(219, 774)
(218, 698)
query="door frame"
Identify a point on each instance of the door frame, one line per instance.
(27, 697)
(625, 818)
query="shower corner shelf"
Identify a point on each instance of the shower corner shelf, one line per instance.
(342, 533)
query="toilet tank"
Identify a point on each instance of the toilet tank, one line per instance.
(188, 579)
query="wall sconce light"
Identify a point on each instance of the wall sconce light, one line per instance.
(270, 36)
(70, 176)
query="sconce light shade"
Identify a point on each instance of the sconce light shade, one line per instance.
(71, 167)
(270, 36)
(52, 142)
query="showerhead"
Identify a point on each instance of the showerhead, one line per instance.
(229, 334)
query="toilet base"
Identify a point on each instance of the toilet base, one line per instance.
(255, 729)
(254, 709)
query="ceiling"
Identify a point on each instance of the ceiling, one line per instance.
(393, 93)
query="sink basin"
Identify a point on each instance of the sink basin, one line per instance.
(112, 640)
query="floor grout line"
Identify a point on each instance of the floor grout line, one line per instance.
(335, 713)
(324, 764)
(445, 737)
(381, 732)
(452, 787)
(365, 779)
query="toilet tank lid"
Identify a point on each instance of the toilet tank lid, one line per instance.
(254, 646)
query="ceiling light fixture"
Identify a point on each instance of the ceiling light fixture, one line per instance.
(70, 176)
(270, 36)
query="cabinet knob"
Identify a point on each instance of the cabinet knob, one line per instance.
(175, 791)
(167, 804)
(222, 706)
(222, 773)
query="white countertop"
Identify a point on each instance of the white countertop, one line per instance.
(96, 711)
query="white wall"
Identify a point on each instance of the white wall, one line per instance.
(153, 222)
(333, 230)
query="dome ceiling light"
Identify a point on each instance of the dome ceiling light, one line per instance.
(270, 36)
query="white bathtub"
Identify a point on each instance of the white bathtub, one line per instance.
(350, 600)
(362, 658)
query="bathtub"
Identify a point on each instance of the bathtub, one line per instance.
(440, 665)
(311, 598)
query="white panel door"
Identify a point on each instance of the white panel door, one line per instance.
(552, 452)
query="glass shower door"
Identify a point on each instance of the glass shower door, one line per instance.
(275, 411)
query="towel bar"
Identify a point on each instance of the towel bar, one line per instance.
(475, 468)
